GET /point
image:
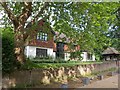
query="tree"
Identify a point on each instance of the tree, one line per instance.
(114, 32)
(19, 13)
(85, 21)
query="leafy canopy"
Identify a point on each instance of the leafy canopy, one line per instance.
(84, 23)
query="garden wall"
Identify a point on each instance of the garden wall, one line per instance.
(46, 76)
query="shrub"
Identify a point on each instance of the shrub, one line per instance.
(76, 55)
(28, 65)
(46, 58)
(8, 58)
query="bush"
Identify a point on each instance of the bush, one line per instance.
(8, 58)
(48, 60)
(76, 55)
(28, 65)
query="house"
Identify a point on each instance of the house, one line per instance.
(110, 54)
(46, 44)
(87, 56)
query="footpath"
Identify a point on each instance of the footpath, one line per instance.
(111, 82)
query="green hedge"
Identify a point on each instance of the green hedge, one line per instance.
(53, 64)
(49, 61)
(8, 57)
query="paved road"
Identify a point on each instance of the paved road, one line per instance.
(111, 82)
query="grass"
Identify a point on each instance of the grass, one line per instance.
(31, 65)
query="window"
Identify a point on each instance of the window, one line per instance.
(41, 52)
(42, 36)
(89, 56)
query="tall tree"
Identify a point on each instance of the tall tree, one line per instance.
(19, 13)
(114, 32)
(84, 23)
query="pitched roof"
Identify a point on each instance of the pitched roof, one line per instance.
(110, 50)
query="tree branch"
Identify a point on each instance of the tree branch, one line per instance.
(9, 12)
(41, 11)
(37, 16)
(26, 12)
(31, 28)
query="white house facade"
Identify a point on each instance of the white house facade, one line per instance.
(31, 52)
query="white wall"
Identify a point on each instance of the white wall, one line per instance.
(84, 56)
(54, 55)
(93, 57)
(30, 51)
(50, 52)
(67, 56)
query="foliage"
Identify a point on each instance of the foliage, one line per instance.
(84, 23)
(114, 32)
(35, 65)
(8, 57)
(47, 57)
(50, 61)
(76, 55)
(97, 57)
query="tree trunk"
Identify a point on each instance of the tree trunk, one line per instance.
(19, 54)
(19, 47)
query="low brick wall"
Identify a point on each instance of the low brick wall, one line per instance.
(47, 76)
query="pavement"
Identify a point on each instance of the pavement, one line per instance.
(111, 82)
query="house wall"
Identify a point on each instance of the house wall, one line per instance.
(67, 56)
(50, 38)
(93, 57)
(45, 44)
(85, 57)
(30, 51)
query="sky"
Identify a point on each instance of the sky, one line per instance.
(1, 16)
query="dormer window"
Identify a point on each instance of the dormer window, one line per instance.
(42, 36)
